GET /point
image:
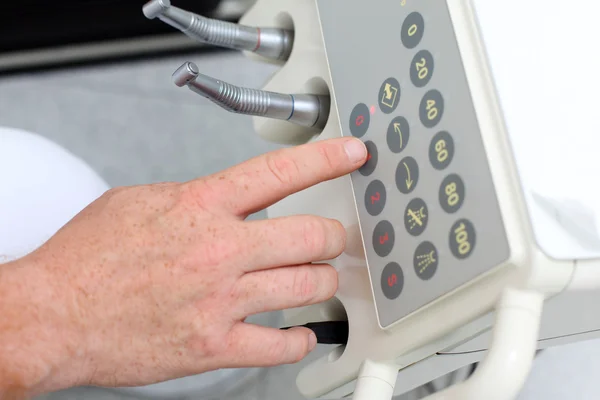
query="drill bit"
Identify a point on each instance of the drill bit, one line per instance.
(302, 109)
(271, 43)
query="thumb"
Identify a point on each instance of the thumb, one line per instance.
(257, 346)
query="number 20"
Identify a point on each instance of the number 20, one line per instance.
(422, 69)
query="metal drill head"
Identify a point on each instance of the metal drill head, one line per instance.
(155, 8)
(185, 74)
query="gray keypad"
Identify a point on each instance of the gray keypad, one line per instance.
(426, 200)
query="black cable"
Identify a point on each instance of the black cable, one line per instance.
(330, 332)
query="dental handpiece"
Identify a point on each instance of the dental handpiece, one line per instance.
(271, 43)
(302, 109)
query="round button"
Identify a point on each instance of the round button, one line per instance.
(431, 109)
(392, 281)
(413, 29)
(360, 119)
(383, 239)
(426, 261)
(372, 157)
(398, 134)
(389, 95)
(462, 239)
(452, 193)
(421, 68)
(375, 198)
(407, 175)
(441, 151)
(416, 217)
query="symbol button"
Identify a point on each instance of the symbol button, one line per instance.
(462, 239)
(421, 68)
(416, 217)
(398, 135)
(431, 109)
(372, 156)
(452, 193)
(441, 151)
(407, 175)
(413, 29)
(392, 281)
(389, 95)
(375, 198)
(360, 119)
(426, 261)
(384, 238)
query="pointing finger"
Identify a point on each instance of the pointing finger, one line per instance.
(264, 180)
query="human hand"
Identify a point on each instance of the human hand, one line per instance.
(153, 283)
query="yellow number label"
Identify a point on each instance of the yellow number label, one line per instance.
(412, 31)
(432, 110)
(452, 196)
(422, 69)
(462, 239)
(442, 151)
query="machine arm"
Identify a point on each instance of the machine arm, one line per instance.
(499, 377)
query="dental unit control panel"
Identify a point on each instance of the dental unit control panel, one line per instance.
(461, 248)
(427, 190)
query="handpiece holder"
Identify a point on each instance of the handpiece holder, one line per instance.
(502, 373)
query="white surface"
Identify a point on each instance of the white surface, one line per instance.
(376, 381)
(544, 58)
(43, 187)
(437, 326)
(506, 367)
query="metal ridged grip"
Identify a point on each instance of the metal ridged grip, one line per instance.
(268, 42)
(301, 109)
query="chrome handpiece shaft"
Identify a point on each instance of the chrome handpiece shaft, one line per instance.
(301, 109)
(271, 43)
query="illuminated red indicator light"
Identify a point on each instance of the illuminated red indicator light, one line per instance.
(372, 110)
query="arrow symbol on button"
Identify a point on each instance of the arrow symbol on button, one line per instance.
(398, 130)
(409, 181)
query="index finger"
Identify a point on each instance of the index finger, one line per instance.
(264, 180)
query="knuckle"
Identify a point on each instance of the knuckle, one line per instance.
(314, 236)
(305, 286)
(329, 157)
(278, 349)
(197, 194)
(215, 346)
(216, 252)
(331, 280)
(284, 170)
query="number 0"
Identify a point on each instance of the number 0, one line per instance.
(412, 30)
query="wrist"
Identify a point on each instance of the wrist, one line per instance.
(37, 342)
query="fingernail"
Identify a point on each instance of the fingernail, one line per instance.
(312, 341)
(356, 150)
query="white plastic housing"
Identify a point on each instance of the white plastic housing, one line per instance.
(507, 95)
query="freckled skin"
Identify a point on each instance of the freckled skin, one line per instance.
(152, 283)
